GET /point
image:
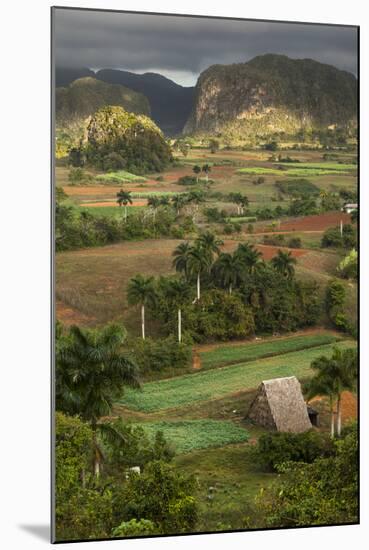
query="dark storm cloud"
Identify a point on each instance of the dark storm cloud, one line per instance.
(189, 45)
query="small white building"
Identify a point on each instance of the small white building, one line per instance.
(350, 207)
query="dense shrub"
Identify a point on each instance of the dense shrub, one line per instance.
(276, 448)
(295, 242)
(335, 297)
(303, 206)
(214, 215)
(297, 187)
(76, 228)
(83, 509)
(187, 180)
(155, 355)
(134, 528)
(332, 237)
(163, 496)
(279, 304)
(218, 316)
(347, 268)
(324, 492)
(274, 240)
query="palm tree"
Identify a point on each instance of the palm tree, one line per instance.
(248, 256)
(181, 258)
(124, 198)
(178, 292)
(141, 291)
(178, 201)
(154, 203)
(195, 197)
(197, 169)
(284, 263)
(91, 372)
(209, 243)
(199, 262)
(236, 198)
(206, 169)
(227, 269)
(244, 202)
(321, 384)
(333, 376)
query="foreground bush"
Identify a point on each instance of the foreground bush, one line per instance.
(276, 448)
(162, 496)
(324, 492)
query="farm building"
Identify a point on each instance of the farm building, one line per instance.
(279, 405)
(350, 207)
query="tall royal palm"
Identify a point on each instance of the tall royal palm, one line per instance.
(227, 269)
(124, 198)
(181, 256)
(248, 256)
(197, 169)
(284, 262)
(199, 262)
(141, 290)
(206, 169)
(91, 372)
(154, 203)
(178, 292)
(178, 202)
(209, 243)
(337, 374)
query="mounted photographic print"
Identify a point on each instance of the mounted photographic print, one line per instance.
(205, 185)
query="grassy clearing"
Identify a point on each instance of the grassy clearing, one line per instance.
(190, 435)
(235, 479)
(226, 355)
(120, 177)
(216, 383)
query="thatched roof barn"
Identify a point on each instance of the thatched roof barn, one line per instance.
(279, 405)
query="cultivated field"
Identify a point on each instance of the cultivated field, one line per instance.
(190, 435)
(216, 383)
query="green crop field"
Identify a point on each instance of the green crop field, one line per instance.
(260, 170)
(338, 167)
(109, 211)
(226, 355)
(216, 383)
(120, 177)
(189, 435)
(300, 169)
(242, 219)
(146, 194)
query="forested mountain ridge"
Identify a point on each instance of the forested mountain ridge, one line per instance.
(273, 93)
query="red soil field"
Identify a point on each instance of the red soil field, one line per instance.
(349, 406)
(69, 316)
(320, 222)
(267, 250)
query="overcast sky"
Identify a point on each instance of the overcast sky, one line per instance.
(181, 47)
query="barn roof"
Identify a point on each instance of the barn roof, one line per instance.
(281, 399)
